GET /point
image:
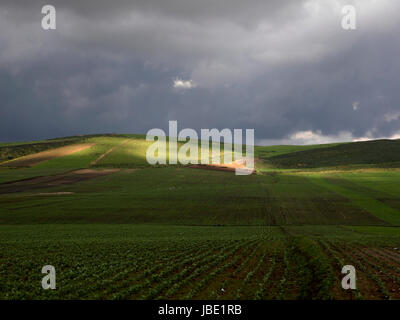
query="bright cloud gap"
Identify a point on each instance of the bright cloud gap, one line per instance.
(310, 137)
(184, 84)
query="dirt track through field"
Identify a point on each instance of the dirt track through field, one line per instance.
(109, 151)
(230, 167)
(53, 181)
(36, 158)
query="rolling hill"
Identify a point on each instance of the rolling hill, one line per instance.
(383, 153)
(127, 230)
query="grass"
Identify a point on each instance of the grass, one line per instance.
(186, 196)
(9, 151)
(384, 153)
(365, 198)
(78, 160)
(170, 232)
(274, 151)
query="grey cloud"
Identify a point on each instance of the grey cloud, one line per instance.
(280, 67)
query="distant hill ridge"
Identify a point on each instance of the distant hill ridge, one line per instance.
(382, 153)
(375, 152)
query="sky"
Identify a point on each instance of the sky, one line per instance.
(285, 68)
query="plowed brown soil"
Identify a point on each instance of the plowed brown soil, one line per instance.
(230, 167)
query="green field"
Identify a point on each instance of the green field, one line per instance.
(173, 232)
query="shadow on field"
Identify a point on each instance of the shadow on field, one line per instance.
(53, 181)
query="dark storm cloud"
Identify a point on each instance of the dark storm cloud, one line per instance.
(285, 68)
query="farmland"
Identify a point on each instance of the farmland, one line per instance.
(115, 227)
